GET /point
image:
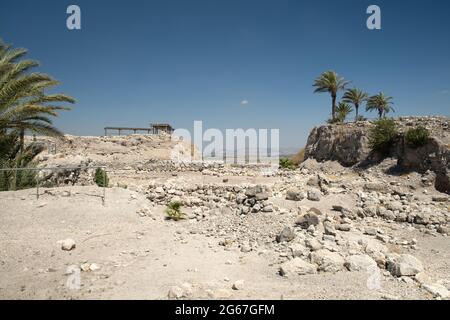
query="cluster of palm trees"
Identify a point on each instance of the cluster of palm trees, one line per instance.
(25, 106)
(332, 83)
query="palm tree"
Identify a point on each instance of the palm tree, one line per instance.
(331, 82)
(356, 97)
(11, 156)
(381, 103)
(24, 105)
(342, 111)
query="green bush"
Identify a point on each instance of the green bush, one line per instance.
(361, 118)
(101, 178)
(334, 121)
(123, 186)
(342, 112)
(383, 135)
(17, 180)
(13, 155)
(173, 211)
(417, 137)
(286, 163)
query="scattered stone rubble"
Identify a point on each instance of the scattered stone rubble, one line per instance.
(279, 219)
(349, 145)
(302, 239)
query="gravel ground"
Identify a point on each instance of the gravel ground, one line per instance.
(129, 256)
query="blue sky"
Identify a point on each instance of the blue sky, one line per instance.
(135, 62)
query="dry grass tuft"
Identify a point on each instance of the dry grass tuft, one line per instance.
(299, 157)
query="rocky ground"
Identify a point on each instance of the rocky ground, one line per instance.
(349, 145)
(320, 232)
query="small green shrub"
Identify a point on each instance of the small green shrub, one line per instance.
(26, 179)
(101, 178)
(383, 135)
(173, 211)
(417, 137)
(342, 111)
(123, 186)
(334, 121)
(361, 118)
(286, 163)
(17, 180)
(13, 156)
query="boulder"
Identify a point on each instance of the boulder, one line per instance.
(253, 191)
(376, 186)
(327, 261)
(444, 230)
(314, 195)
(360, 262)
(307, 220)
(371, 231)
(175, 293)
(347, 144)
(298, 250)
(94, 267)
(286, 235)
(404, 265)
(296, 267)
(238, 285)
(372, 247)
(344, 227)
(394, 206)
(442, 182)
(437, 290)
(295, 195)
(315, 211)
(262, 196)
(68, 244)
(329, 228)
(313, 181)
(313, 244)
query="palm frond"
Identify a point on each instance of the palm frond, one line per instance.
(355, 96)
(52, 98)
(10, 71)
(381, 103)
(10, 56)
(24, 104)
(20, 87)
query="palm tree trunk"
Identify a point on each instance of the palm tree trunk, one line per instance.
(380, 113)
(22, 139)
(333, 106)
(356, 109)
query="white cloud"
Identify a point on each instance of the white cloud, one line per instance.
(244, 102)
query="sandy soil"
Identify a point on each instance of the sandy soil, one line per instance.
(143, 257)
